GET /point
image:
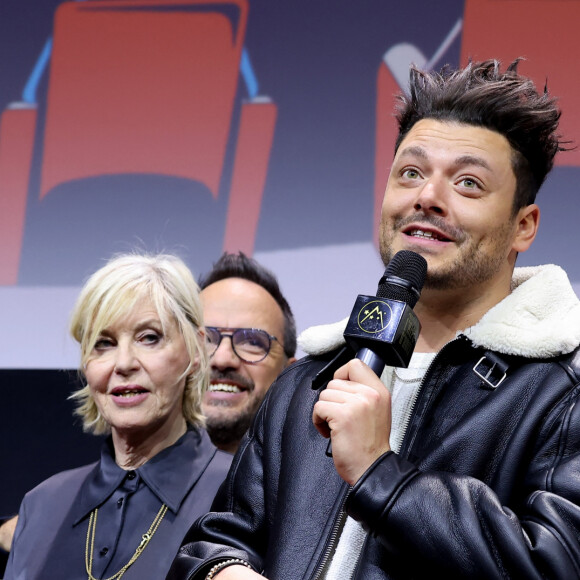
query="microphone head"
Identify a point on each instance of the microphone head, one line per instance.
(383, 329)
(403, 278)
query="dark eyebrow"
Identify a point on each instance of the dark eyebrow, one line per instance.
(414, 151)
(472, 160)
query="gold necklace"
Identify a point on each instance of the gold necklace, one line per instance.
(144, 541)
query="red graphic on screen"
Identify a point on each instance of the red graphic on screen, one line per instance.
(147, 111)
(544, 32)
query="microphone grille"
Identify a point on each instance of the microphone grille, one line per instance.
(403, 278)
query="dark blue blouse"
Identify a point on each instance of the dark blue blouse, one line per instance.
(51, 537)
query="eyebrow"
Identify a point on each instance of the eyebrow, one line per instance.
(416, 151)
(472, 160)
(148, 323)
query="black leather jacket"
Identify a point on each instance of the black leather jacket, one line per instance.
(486, 485)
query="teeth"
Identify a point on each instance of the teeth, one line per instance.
(126, 394)
(423, 234)
(222, 387)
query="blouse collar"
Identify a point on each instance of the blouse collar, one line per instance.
(169, 475)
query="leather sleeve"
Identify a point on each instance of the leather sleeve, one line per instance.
(234, 527)
(253, 507)
(433, 520)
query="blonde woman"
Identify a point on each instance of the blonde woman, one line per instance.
(138, 321)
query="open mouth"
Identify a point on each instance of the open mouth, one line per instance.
(127, 393)
(427, 235)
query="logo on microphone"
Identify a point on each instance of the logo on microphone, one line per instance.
(374, 316)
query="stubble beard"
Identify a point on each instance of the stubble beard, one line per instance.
(473, 265)
(224, 423)
(225, 427)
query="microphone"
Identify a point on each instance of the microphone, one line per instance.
(383, 329)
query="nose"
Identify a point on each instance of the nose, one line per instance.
(224, 357)
(125, 360)
(432, 196)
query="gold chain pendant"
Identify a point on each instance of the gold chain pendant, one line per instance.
(145, 538)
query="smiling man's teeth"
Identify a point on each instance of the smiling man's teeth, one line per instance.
(424, 234)
(222, 387)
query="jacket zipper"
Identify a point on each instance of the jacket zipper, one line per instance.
(421, 385)
(414, 401)
(332, 540)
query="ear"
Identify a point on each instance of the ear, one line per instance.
(527, 222)
(291, 360)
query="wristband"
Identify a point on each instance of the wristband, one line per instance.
(224, 564)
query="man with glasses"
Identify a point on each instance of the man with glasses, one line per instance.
(251, 337)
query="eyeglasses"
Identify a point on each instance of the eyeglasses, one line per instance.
(251, 345)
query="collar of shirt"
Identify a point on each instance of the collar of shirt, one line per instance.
(169, 475)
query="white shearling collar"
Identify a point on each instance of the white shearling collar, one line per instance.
(539, 319)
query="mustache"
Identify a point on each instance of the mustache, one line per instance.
(437, 222)
(219, 376)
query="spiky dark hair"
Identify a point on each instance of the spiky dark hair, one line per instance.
(505, 102)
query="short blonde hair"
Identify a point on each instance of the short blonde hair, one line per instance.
(111, 293)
